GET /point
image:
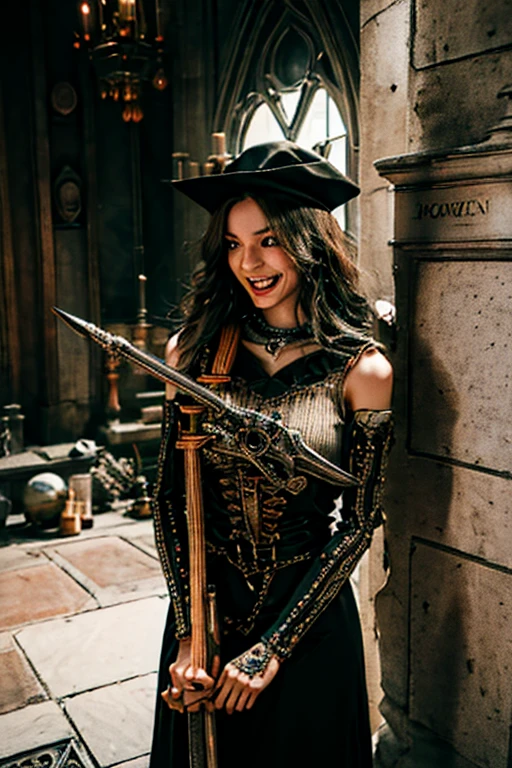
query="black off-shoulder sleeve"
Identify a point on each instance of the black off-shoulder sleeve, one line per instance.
(170, 522)
(370, 439)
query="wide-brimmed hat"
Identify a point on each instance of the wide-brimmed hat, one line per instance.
(279, 167)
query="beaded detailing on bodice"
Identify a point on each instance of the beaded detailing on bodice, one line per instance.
(370, 443)
(252, 528)
(169, 522)
(306, 408)
(256, 510)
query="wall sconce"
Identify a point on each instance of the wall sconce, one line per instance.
(123, 51)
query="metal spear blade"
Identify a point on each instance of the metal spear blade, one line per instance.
(75, 323)
(314, 464)
(232, 425)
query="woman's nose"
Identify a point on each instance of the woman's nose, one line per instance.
(251, 257)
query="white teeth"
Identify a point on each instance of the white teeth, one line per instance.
(262, 282)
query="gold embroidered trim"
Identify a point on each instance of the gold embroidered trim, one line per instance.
(372, 443)
(177, 597)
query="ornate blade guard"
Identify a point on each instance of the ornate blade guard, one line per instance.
(279, 453)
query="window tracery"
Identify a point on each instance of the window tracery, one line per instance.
(287, 87)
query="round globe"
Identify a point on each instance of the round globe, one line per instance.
(44, 498)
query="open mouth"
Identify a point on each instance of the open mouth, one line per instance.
(260, 285)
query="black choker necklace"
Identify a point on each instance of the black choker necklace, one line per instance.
(256, 329)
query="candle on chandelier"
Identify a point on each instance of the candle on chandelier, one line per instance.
(127, 10)
(142, 294)
(158, 11)
(86, 11)
(100, 14)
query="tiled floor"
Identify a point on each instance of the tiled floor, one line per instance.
(81, 620)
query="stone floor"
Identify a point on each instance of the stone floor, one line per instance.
(81, 622)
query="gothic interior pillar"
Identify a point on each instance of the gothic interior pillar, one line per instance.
(444, 614)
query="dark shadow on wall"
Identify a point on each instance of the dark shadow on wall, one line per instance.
(421, 623)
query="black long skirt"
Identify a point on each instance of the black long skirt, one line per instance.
(314, 712)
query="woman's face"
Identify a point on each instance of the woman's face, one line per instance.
(259, 263)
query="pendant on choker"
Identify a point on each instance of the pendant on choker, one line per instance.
(257, 330)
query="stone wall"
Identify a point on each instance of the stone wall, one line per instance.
(431, 73)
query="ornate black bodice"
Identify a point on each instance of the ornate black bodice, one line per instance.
(275, 557)
(256, 527)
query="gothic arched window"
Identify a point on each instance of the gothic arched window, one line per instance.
(320, 127)
(287, 87)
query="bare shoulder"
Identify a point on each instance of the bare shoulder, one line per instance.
(172, 357)
(370, 382)
(171, 350)
(373, 365)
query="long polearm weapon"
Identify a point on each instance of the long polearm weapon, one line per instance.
(278, 453)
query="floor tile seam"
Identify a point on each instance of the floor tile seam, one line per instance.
(144, 548)
(141, 547)
(79, 738)
(75, 727)
(31, 701)
(99, 593)
(104, 602)
(124, 762)
(61, 700)
(138, 523)
(65, 541)
(158, 589)
(50, 619)
(55, 541)
(17, 628)
(34, 670)
(74, 573)
(8, 648)
(23, 563)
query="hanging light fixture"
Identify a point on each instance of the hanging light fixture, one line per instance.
(125, 54)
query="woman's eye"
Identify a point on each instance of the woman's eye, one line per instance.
(231, 245)
(270, 241)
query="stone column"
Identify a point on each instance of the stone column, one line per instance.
(445, 613)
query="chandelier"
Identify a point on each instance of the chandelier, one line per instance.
(126, 46)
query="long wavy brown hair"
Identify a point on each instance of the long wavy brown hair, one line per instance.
(329, 295)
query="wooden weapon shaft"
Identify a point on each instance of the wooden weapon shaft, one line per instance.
(197, 558)
(202, 741)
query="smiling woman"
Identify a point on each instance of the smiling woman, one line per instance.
(261, 265)
(275, 281)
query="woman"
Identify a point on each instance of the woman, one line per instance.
(289, 688)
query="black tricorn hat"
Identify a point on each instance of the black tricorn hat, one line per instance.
(280, 167)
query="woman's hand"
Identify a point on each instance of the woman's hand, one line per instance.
(190, 686)
(236, 690)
